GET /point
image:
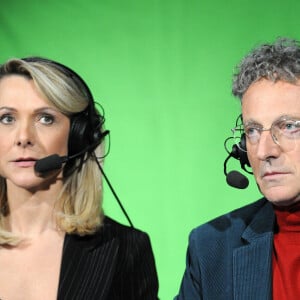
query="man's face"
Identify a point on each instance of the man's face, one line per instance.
(276, 169)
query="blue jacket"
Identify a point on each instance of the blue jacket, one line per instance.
(230, 257)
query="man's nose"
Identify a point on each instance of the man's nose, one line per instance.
(267, 147)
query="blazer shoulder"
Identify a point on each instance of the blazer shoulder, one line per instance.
(110, 231)
(116, 261)
(136, 260)
(115, 229)
(232, 224)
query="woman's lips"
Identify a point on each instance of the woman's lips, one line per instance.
(25, 162)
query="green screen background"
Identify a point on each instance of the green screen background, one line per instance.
(162, 71)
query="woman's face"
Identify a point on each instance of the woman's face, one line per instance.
(30, 129)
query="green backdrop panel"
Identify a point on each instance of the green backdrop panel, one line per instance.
(162, 71)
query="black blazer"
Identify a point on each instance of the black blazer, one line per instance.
(114, 263)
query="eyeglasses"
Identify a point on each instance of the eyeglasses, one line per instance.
(285, 131)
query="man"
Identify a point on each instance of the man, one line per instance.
(254, 252)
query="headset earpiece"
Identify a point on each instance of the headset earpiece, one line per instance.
(240, 152)
(86, 128)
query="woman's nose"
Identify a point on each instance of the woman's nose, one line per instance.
(24, 143)
(24, 135)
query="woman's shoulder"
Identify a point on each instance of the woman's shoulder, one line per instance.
(112, 231)
(113, 228)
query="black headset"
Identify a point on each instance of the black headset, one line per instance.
(239, 152)
(86, 127)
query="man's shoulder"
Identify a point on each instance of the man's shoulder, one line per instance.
(232, 223)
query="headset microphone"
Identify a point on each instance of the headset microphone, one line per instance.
(50, 163)
(239, 152)
(54, 161)
(86, 128)
(235, 178)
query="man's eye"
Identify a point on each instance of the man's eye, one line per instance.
(289, 125)
(46, 119)
(6, 119)
(252, 131)
(289, 128)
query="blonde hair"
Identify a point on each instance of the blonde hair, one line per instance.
(79, 205)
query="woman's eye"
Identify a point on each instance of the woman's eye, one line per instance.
(46, 119)
(6, 119)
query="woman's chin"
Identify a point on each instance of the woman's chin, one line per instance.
(32, 183)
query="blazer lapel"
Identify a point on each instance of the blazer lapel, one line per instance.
(88, 266)
(252, 263)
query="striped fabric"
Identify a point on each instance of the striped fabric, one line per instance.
(115, 263)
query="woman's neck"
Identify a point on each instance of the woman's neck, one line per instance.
(31, 213)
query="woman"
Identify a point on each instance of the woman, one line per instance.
(55, 241)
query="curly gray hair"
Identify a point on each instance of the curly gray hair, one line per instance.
(277, 61)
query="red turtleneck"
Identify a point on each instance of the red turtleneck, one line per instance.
(286, 254)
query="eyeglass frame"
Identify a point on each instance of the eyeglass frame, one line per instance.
(285, 118)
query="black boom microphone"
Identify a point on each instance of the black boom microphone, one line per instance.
(54, 162)
(239, 152)
(50, 163)
(235, 178)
